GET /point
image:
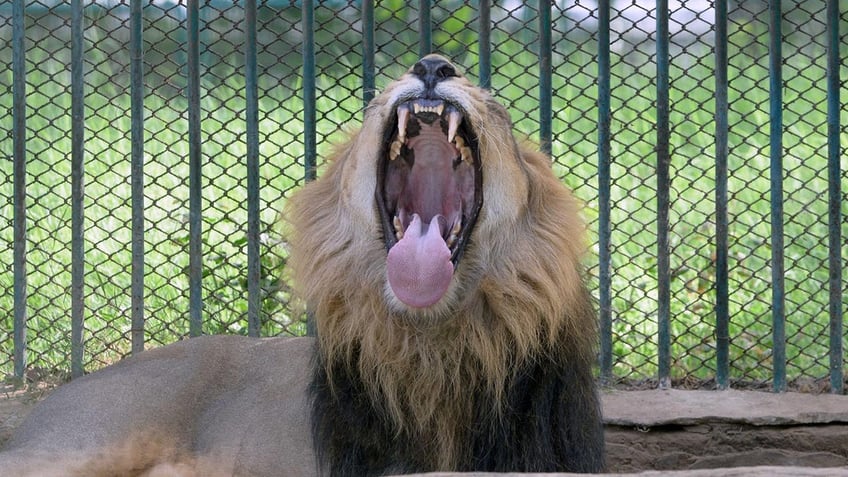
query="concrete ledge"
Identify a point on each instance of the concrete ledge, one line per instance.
(734, 472)
(678, 407)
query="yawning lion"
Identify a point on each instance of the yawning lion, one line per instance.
(441, 259)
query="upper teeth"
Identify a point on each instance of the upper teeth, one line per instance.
(454, 117)
(420, 108)
(464, 151)
(403, 117)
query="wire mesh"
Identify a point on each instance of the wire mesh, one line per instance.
(515, 82)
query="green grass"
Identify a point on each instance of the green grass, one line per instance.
(634, 265)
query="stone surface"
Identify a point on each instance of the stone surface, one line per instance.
(770, 471)
(665, 430)
(667, 407)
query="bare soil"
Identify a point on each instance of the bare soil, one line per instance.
(15, 405)
(671, 430)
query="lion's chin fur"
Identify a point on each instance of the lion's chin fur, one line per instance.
(516, 311)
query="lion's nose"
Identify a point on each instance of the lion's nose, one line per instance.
(433, 69)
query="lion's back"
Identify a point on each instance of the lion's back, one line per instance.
(219, 403)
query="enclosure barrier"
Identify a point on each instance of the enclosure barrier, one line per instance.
(545, 27)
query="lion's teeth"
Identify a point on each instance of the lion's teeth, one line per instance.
(403, 119)
(454, 117)
(394, 150)
(454, 233)
(465, 153)
(398, 228)
(434, 106)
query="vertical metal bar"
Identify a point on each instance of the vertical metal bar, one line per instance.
(137, 173)
(425, 29)
(604, 203)
(663, 186)
(254, 323)
(776, 167)
(485, 45)
(195, 176)
(721, 134)
(19, 154)
(545, 73)
(368, 64)
(77, 194)
(309, 116)
(834, 199)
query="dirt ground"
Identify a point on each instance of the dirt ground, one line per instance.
(674, 430)
(15, 404)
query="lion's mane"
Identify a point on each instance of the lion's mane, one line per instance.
(498, 375)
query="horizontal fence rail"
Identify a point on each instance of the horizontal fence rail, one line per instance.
(142, 199)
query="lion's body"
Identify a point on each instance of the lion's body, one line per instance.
(442, 261)
(212, 406)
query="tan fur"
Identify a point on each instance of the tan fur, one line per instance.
(508, 299)
(138, 456)
(207, 407)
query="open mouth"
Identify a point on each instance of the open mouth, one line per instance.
(429, 193)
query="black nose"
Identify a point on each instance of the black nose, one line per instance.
(433, 69)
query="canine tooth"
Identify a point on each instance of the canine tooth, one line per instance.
(459, 142)
(403, 118)
(454, 117)
(455, 229)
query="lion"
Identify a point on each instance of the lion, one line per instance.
(441, 260)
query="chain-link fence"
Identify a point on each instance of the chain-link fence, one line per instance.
(105, 311)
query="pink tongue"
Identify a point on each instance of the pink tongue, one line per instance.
(419, 267)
